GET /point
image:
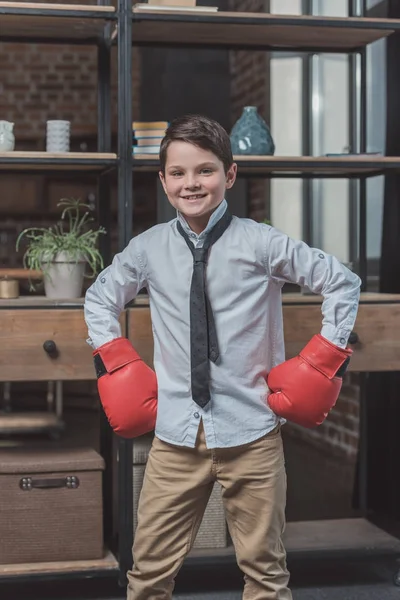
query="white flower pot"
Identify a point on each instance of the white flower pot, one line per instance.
(63, 278)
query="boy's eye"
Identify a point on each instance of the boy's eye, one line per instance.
(207, 171)
(176, 174)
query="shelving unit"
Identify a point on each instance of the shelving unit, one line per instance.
(98, 25)
(293, 34)
(56, 23)
(63, 23)
(297, 166)
(95, 162)
(235, 30)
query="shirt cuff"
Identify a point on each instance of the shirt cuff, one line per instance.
(339, 337)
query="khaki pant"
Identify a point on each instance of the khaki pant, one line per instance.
(176, 488)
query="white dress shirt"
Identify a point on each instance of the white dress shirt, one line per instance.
(246, 270)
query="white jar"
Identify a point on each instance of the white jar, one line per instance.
(58, 136)
(7, 139)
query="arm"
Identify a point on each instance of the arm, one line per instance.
(127, 386)
(114, 287)
(305, 388)
(294, 262)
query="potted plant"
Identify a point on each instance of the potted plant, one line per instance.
(62, 251)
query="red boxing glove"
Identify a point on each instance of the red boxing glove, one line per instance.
(305, 388)
(127, 388)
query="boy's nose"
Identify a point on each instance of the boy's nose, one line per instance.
(191, 184)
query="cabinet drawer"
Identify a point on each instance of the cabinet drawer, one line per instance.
(140, 332)
(22, 337)
(377, 327)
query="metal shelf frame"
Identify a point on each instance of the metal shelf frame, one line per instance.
(251, 168)
(127, 23)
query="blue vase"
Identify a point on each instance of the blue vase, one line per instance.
(251, 135)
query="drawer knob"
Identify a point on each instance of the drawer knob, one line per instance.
(353, 338)
(50, 347)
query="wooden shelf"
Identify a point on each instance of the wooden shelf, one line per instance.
(297, 166)
(69, 161)
(89, 568)
(365, 298)
(29, 422)
(40, 302)
(320, 537)
(55, 23)
(257, 30)
(297, 298)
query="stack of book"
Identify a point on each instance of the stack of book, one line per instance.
(147, 136)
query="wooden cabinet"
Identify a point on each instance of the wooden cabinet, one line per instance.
(377, 329)
(140, 330)
(44, 341)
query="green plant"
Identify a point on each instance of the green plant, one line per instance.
(70, 235)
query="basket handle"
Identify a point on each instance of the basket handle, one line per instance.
(70, 482)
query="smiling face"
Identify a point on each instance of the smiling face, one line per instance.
(195, 182)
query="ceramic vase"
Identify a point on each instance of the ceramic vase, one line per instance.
(251, 135)
(7, 139)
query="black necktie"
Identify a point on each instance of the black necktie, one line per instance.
(203, 336)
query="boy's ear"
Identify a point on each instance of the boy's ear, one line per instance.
(162, 179)
(231, 176)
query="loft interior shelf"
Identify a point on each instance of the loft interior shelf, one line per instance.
(70, 161)
(107, 565)
(55, 23)
(346, 537)
(299, 166)
(257, 30)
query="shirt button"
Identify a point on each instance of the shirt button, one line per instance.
(103, 280)
(342, 341)
(321, 255)
(196, 415)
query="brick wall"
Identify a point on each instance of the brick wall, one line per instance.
(249, 87)
(338, 435)
(41, 82)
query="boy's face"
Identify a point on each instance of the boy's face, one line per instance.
(195, 182)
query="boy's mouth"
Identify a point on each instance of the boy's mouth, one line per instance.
(194, 197)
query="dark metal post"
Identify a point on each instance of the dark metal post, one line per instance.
(104, 134)
(125, 214)
(307, 135)
(363, 267)
(125, 196)
(103, 207)
(358, 228)
(363, 270)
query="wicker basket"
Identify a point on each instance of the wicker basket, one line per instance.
(50, 505)
(213, 530)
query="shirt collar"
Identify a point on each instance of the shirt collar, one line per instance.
(215, 217)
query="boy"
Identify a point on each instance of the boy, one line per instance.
(214, 284)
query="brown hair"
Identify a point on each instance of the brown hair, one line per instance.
(200, 131)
